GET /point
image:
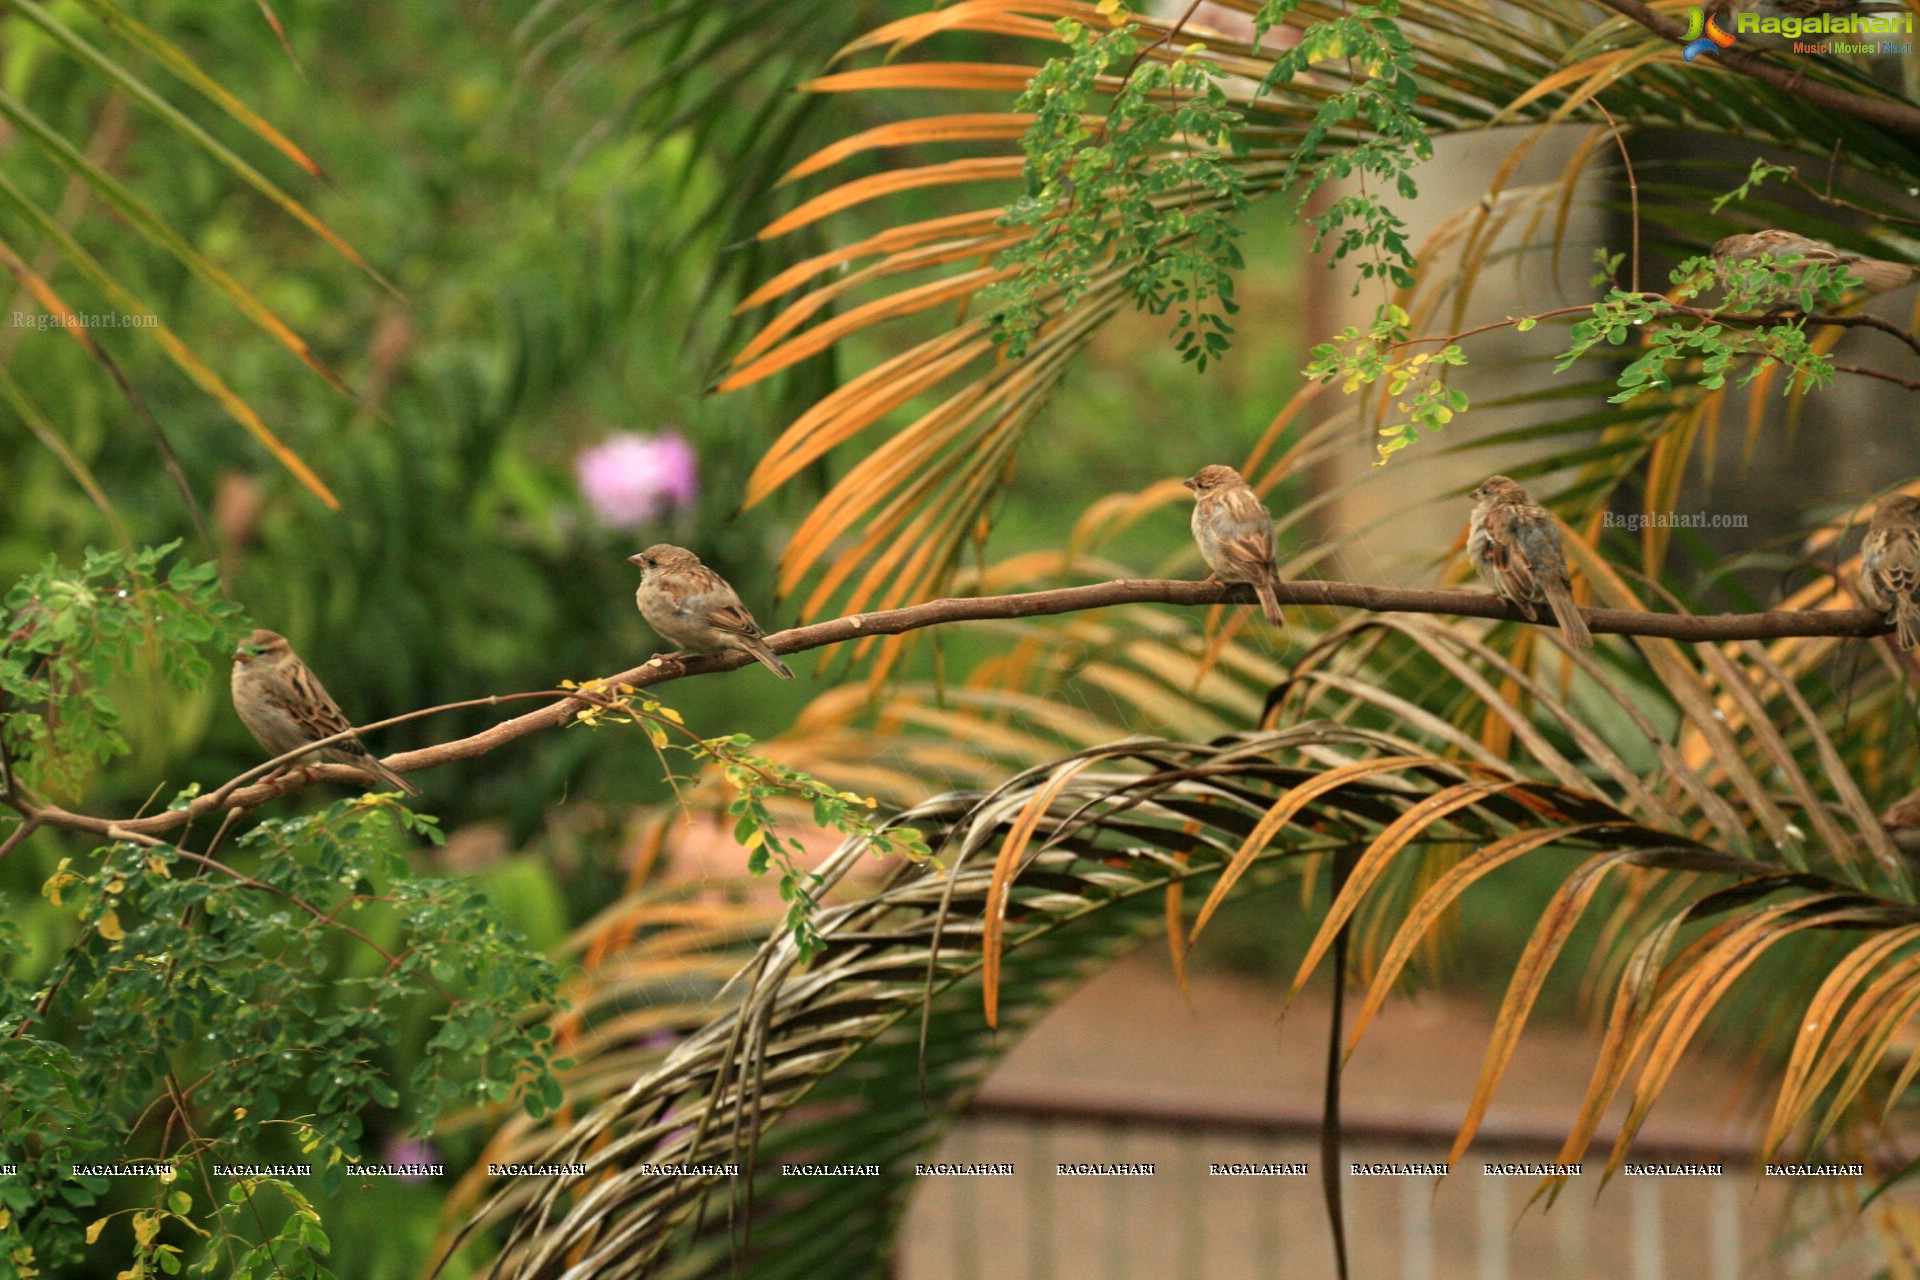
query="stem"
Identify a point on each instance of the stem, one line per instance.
(662, 668)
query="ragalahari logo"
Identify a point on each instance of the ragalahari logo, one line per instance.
(1705, 35)
(1806, 34)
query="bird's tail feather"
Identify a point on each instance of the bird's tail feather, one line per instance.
(387, 775)
(1269, 601)
(1906, 622)
(1569, 616)
(767, 658)
(1877, 275)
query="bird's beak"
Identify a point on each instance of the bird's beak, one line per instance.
(1188, 483)
(633, 559)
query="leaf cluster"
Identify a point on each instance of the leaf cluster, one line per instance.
(65, 634)
(1367, 130)
(1775, 286)
(1417, 382)
(256, 1013)
(757, 780)
(1148, 190)
(237, 1012)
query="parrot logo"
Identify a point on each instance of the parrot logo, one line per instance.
(1704, 35)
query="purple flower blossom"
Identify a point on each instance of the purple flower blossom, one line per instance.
(630, 479)
(409, 1151)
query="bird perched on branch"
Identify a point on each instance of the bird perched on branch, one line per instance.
(1877, 275)
(284, 707)
(693, 606)
(1235, 534)
(1515, 545)
(1890, 565)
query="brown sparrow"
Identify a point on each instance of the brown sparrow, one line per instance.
(1515, 545)
(1877, 275)
(1235, 534)
(284, 708)
(693, 606)
(1890, 565)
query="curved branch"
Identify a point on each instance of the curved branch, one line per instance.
(1860, 321)
(1897, 116)
(661, 668)
(26, 828)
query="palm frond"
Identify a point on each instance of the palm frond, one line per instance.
(68, 160)
(1380, 762)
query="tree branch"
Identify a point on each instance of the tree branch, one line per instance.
(1911, 384)
(26, 828)
(1860, 321)
(1897, 116)
(661, 668)
(1741, 320)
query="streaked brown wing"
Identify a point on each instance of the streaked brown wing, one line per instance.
(1872, 581)
(1517, 572)
(721, 609)
(1816, 254)
(1900, 566)
(306, 703)
(1513, 569)
(1250, 557)
(1251, 550)
(734, 618)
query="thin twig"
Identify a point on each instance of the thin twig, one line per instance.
(1911, 384)
(1838, 322)
(1166, 38)
(27, 828)
(1693, 313)
(1840, 202)
(8, 790)
(1897, 116)
(219, 797)
(246, 881)
(662, 668)
(1332, 1147)
(1633, 188)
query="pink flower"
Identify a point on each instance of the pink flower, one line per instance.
(630, 479)
(409, 1151)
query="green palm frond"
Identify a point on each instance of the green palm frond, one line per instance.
(715, 88)
(55, 53)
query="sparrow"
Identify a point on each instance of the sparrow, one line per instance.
(1515, 545)
(1890, 565)
(1235, 534)
(693, 606)
(1877, 275)
(284, 707)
